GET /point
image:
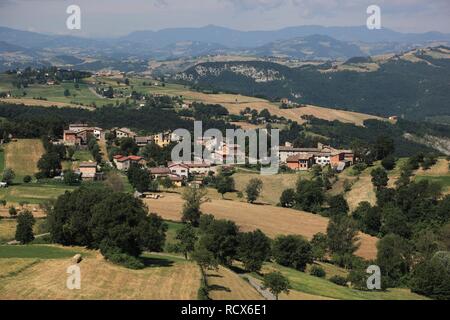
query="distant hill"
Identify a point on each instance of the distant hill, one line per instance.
(309, 48)
(413, 85)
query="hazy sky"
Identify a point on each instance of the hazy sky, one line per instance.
(117, 17)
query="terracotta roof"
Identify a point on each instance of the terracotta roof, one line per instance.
(159, 170)
(88, 164)
(135, 158)
(300, 156)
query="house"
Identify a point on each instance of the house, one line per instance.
(179, 169)
(162, 139)
(70, 138)
(124, 133)
(159, 172)
(77, 127)
(300, 162)
(3, 185)
(88, 171)
(176, 180)
(199, 168)
(393, 118)
(143, 141)
(123, 163)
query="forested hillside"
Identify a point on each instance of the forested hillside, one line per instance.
(414, 85)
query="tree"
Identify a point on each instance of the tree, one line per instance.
(204, 258)
(8, 176)
(379, 178)
(341, 235)
(221, 238)
(194, 198)
(27, 179)
(12, 212)
(187, 238)
(71, 178)
(393, 258)
(120, 221)
(368, 218)
(287, 198)
(114, 182)
(338, 206)
(70, 152)
(394, 221)
(253, 189)
(319, 246)
(383, 147)
(309, 195)
(224, 184)
(139, 178)
(432, 278)
(167, 183)
(276, 283)
(292, 251)
(24, 229)
(49, 164)
(128, 146)
(253, 249)
(66, 93)
(388, 163)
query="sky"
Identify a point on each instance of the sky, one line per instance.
(110, 18)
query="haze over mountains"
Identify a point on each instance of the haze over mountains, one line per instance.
(302, 42)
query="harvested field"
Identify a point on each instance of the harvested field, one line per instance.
(22, 156)
(224, 284)
(163, 279)
(42, 103)
(270, 219)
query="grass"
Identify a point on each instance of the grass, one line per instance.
(36, 252)
(22, 156)
(35, 193)
(2, 160)
(12, 267)
(164, 278)
(171, 233)
(224, 284)
(83, 155)
(306, 283)
(8, 229)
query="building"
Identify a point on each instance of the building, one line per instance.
(179, 169)
(300, 162)
(88, 171)
(323, 155)
(70, 138)
(143, 141)
(123, 163)
(162, 139)
(124, 133)
(79, 133)
(159, 172)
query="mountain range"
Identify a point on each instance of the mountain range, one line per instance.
(301, 42)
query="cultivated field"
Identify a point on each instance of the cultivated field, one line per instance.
(270, 219)
(8, 229)
(164, 278)
(273, 185)
(224, 284)
(22, 156)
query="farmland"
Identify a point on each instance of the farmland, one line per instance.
(22, 156)
(164, 277)
(270, 219)
(8, 229)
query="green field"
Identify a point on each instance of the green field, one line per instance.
(443, 180)
(34, 193)
(83, 155)
(2, 160)
(36, 251)
(304, 282)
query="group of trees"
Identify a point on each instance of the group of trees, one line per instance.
(140, 179)
(49, 164)
(115, 223)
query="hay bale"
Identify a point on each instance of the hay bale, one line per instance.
(77, 258)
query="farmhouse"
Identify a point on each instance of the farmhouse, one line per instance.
(159, 172)
(304, 158)
(123, 163)
(124, 133)
(78, 134)
(143, 141)
(88, 171)
(179, 169)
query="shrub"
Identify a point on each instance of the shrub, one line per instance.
(317, 271)
(116, 256)
(27, 179)
(340, 281)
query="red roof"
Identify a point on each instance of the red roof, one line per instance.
(135, 158)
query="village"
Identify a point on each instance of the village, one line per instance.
(193, 172)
